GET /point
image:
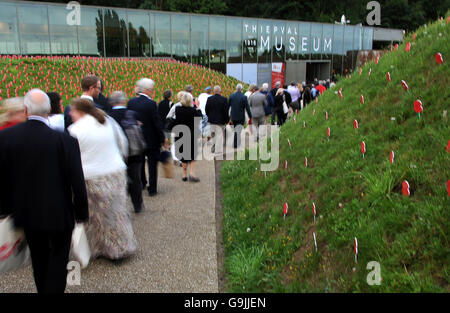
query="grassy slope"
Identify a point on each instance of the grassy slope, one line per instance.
(118, 74)
(354, 196)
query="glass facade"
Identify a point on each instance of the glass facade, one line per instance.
(218, 42)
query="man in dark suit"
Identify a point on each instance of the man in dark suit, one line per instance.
(217, 111)
(43, 187)
(118, 101)
(239, 104)
(152, 128)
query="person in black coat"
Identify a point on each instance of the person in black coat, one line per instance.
(186, 145)
(238, 104)
(42, 185)
(217, 109)
(118, 102)
(164, 107)
(152, 128)
(279, 99)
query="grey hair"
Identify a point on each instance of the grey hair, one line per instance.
(188, 88)
(217, 89)
(265, 86)
(11, 105)
(145, 84)
(117, 97)
(239, 87)
(37, 102)
(277, 84)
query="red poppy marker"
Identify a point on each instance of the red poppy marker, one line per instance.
(408, 47)
(314, 211)
(404, 85)
(355, 124)
(439, 58)
(326, 115)
(396, 46)
(388, 76)
(418, 107)
(306, 162)
(356, 250)
(405, 188)
(328, 133)
(361, 99)
(360, 71)
(377, 59)
(448, 19)
(448, 187)
(414, 37)
(340, 94)
(296, 111)
(391, 157)
(448, 146)
(285, 210)
(363, 148)
(285, 164)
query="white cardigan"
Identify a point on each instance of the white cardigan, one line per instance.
(99, 145)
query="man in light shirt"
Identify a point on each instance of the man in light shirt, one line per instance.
(295, 95)
(202, 98)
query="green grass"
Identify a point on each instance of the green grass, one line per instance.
(354, 196)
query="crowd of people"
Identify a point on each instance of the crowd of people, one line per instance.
(79, 164)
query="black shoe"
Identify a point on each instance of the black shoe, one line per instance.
(184, 179)
(152, 194)
(193, 179)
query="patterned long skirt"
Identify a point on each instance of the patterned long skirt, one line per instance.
(109, 231)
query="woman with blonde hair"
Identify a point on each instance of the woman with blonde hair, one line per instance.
(12, 112)
(103, 146)
(186, 145)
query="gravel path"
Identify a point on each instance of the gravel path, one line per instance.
(177, 245)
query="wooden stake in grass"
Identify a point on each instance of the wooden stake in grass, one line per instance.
(314, 211)
(363, 148)
(315, 241)
(418, 107)
(356, 250)
(285, 210)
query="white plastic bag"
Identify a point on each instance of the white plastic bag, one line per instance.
(80, 246)
(14, 251)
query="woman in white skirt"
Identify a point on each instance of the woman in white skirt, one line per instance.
(102, 145)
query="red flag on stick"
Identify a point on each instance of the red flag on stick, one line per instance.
(405, 188)
(439, 58)
(328, 132)
(363, 148)
(388, 76)
(418, 107)
(355, 124)
(408, 47)
(404, 85)
(285, 210)
(361, 99)
(391, 157)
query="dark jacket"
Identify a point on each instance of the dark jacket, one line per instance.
(163, 109)
(42, 182)
(118, 115)
(187, 116)
(102, 103)
(238, 103)
(147, 113)
(217, 110)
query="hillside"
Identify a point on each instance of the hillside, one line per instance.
(354, 196)
(18, 74)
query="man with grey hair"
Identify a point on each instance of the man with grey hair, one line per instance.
(147, 114)
(120, 113)
(217, 111)
(43, 189)
(238, 104)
